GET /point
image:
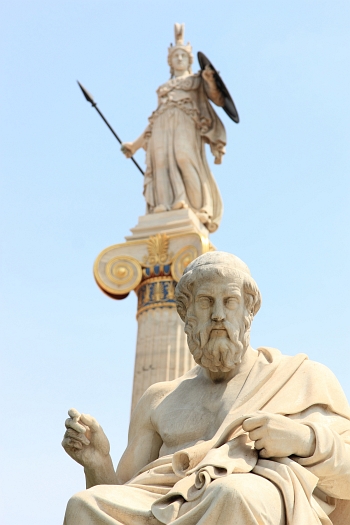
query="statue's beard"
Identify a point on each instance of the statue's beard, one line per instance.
(217, 351)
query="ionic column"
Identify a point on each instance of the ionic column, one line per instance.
(151, 263)
(161, 349)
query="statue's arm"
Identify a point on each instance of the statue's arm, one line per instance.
(144, 442)
(330, 422)
(130, 148)
(330, 461)
(86, 443)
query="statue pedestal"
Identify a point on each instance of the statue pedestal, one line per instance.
(172, 222)
(151, 262)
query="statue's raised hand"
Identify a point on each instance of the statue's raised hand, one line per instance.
(84, 440)
(208, 73)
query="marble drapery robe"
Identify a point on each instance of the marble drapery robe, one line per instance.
(177, 168)
(200, 484)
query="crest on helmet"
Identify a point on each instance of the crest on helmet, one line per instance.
(179, 30)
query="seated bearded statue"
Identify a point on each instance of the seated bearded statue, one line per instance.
(247, 437)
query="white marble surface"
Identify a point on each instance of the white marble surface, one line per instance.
(250, 435)
(150, 263)
(177, 222)
(161, 350)
(177, 173)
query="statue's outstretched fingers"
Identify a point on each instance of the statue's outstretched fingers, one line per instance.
(254, 421)
(90, 422)
(71, 423)
(74, 413)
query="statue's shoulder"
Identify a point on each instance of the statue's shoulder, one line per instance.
(322, 387)
(319, 381)
(318, 371)
(311, 370)
(158, 391)
(192, 81)
(170, 84)
(167, 86)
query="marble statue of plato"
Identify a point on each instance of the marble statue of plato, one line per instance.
(177, 173)
(247, 437)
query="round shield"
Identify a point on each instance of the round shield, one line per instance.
(229, 106)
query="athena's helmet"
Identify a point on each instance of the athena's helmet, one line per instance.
(179, 44)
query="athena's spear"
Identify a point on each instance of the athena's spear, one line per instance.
(90, 99)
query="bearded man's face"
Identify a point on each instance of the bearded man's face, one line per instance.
(215, 324)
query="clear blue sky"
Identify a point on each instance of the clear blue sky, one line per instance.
(67, 193)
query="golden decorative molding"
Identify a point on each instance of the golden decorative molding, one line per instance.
(157, 246)
(121, 268)
(182, 259)
(123, 272)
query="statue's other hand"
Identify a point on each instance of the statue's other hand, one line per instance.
(213, 91)
(279, 436)
(208, 73)
(128, 149)
(84, 440)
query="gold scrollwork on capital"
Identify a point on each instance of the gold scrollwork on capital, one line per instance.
(182, 259)
(122, 274)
